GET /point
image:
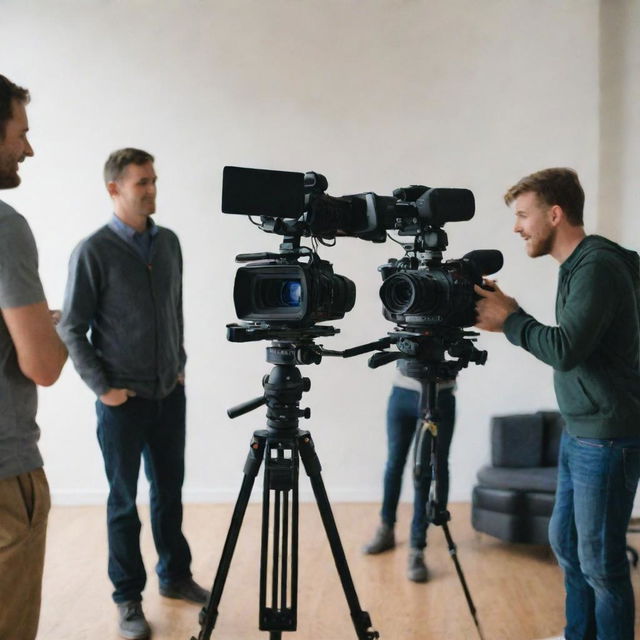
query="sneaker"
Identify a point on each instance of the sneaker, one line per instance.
(131, 621)
(417, 569)
(186, 589)
(383, 540)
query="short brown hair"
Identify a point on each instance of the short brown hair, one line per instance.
(119, 160)
(553, 186)
(8, 93)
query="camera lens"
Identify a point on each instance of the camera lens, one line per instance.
(411, 292)
(343, 294)
(277, 293)
(400, 296)
(291, 293)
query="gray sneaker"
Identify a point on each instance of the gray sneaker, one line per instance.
(417, 569)
(383, 540)
(185, 589)
(132, 624)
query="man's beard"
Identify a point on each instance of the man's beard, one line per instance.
(9, 181)
(543, 245)
(9, 178)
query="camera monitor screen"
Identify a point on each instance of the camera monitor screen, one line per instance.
(261, 192)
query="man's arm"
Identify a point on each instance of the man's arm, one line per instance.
(183, 354)
(79, 309)
(41, 353)
(586, 315)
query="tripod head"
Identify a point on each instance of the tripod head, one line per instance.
(284, 385)
(422, 354)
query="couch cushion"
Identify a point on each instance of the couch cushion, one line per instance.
(527, 479)
(498, 500)
(517, 440)
(511, 527)
(539, 504)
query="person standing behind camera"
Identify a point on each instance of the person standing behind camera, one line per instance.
(125, 288)
(594, 351)
(403, 412)
(30, 353)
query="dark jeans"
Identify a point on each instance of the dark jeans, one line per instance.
(402, 415)
(155, 430)
(597, 482)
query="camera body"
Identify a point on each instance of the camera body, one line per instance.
(429, 295)
(293, 293)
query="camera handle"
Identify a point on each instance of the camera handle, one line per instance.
(427, 431)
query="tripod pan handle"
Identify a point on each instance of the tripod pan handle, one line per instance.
(245, 407)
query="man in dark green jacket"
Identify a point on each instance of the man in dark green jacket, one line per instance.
(595, 353)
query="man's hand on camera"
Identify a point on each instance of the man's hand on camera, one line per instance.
(494, 307)
(116, 397)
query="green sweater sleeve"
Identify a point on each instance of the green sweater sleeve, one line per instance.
(592, 292)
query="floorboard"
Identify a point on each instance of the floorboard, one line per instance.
(517, 589)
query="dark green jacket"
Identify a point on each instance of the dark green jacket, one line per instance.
(595, 349)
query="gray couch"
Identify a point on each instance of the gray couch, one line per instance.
(514, 497)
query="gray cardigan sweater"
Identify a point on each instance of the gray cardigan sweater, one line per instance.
(131, 310)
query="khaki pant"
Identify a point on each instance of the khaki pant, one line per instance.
(24, 507)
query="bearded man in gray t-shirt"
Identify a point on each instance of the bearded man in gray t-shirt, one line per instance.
(30, 353)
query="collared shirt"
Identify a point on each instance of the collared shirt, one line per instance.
(141, 242)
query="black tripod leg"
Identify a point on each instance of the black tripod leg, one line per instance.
(437, 513)
(361, 619)
(467, 594)
(209, 614)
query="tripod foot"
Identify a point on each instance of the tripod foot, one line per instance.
(362, 624)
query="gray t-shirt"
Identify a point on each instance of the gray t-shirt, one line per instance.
(19, 286)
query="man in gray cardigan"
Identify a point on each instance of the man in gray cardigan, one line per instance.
(125, 291)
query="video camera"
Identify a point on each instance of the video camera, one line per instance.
(295, 288)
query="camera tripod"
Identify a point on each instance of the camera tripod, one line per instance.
(437, 513)
(282, 445)
(422, 357)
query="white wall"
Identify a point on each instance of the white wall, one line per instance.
(620, 120)
(374, 95)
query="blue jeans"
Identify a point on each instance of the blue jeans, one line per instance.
(155, 430)
(402, 415)
(597, 481)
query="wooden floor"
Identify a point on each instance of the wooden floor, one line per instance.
(517, 589)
